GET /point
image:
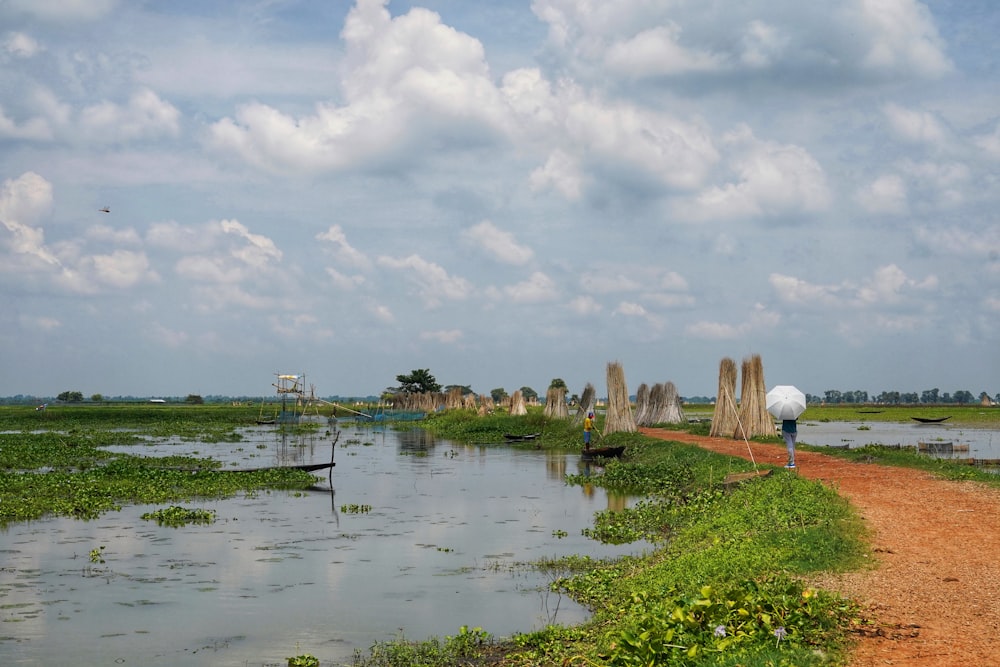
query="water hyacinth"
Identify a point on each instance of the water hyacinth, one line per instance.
(720, 631)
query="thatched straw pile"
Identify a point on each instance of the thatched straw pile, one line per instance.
(619, 416)
(725, 414)
(587, 401)
(642, 406)
(485, 404)
(673, 412)
(754, 418)
(453, 399)
(469, 401)
(555, 403)
(517, 406)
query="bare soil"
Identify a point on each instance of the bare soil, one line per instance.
(933, 591)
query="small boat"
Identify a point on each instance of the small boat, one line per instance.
(510, 437)
(602, 452)
(930, 420)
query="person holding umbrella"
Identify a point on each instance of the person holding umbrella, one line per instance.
(789, 431)
(786, 403)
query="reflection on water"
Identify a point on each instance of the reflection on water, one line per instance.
(280, 574)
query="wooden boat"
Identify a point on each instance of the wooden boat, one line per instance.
(930, 420)
(602, 452)
(941, 447)
(510, 437)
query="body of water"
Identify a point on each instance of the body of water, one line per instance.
(978, 443)
(414, 536)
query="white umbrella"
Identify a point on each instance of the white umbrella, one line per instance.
(785, 402)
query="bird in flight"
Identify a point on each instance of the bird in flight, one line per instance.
(106, 209)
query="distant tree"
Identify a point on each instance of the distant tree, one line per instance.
(529, 394)
(498, 394)
(832, 396)
(71, 396)
(963, 397)
(909, 397)
(419, 381)
(557, 383)
(929, 395)
(97, 398)
(194, 399)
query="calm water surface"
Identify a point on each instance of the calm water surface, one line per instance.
(978, 443)
(280, 574)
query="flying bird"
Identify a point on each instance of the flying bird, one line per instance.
(106, 209)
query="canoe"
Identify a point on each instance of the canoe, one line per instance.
(930, 420)
(604, 452)
(510, 437)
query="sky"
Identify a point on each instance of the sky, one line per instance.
(502, 193)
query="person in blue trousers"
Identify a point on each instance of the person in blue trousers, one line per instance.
(789, 431)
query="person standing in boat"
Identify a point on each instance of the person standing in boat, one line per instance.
(588, 426)
(789, 431)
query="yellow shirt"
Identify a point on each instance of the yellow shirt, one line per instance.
(588, 424)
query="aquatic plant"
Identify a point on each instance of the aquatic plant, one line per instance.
(176, 516)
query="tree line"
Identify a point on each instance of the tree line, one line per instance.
(926, 397)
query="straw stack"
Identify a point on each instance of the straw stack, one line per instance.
(587, 402)
(642, 406)
(517, 406)
(755, 420)
(555, 403)
(619, 416)
(725, 413)
(673, 412)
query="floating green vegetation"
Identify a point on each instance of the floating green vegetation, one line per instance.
(355, 509)
(55, 461)
(176, 516)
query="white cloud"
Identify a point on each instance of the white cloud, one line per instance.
(343, 251)
(989, 142)
(759, 319)
(886, 194)
(902, 37)
(584, 305)
(431, 281)
(915, 126)
(145, 116)
(772, 180)
(39, 323)
(20, 45)
(32, 129)
(62, 11)
(498, 243)
(258, 251)
(763, 44)
(657, 52)
(888, 285)
(444, 336)
(23, 201)
(561, 173)
(537, 288)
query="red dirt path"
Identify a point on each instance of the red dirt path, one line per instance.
(934, 590)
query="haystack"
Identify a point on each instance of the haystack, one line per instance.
(673, 412)
(486, 405)
(725, 414)
(453, 399)
(588, 399)
(754, 419)
(642, 406)
(555, 403)
(619, 415)
(517, 406)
